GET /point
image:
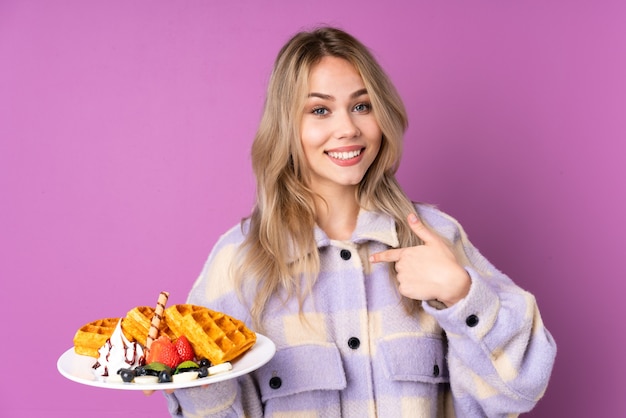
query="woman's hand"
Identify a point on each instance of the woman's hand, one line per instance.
(429, 271)
(150, 392)
(168, 391)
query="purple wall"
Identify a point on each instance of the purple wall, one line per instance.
(125, 128)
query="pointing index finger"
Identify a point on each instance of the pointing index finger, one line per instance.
(388, 256)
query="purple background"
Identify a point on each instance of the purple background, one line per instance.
(125, 129)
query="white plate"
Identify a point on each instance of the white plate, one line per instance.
(79, 369)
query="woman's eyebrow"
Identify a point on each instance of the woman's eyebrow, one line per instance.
(323, 96)
(358, 93)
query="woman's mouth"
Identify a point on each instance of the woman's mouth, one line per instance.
(345, 155)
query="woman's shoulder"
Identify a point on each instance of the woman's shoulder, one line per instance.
(233, 236)
(443, 223)
(225, 248)
(215, 282)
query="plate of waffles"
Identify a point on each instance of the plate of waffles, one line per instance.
(80, 368)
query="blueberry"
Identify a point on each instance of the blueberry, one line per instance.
(127, 375)
(205, 362)
(165, 376)
(203, 371)
(145, 371)
(140, 371)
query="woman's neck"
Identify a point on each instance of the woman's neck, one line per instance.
(337, 215)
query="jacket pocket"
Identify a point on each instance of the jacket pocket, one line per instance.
(301, 369)
(415, 358)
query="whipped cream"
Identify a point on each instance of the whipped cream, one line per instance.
(118, 353)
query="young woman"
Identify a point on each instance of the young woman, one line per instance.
(379, 307)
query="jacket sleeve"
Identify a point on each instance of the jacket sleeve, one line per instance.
(500, 355)
(235, 398)
(214, 289)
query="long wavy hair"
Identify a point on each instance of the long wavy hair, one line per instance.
(279, 254)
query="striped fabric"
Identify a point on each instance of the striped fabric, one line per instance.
(357, 353)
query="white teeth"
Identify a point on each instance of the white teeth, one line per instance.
(345, 155)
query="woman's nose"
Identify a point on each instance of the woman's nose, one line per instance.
(346, 127)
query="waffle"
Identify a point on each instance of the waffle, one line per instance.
(90, 337)
(174, 317)
(213, 335)
(136, 324)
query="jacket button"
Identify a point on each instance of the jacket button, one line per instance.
(345, 254)
(471, 321)
(275, 382)
(354, 343)
(436, 370)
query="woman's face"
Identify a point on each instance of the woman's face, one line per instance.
(340, 135)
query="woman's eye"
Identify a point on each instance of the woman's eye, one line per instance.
(320, 111)
(362, 107)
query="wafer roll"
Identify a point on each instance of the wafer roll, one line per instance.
(153, 333)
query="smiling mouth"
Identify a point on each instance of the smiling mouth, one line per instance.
(345, 155)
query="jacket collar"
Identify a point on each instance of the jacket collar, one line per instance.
(370, 226)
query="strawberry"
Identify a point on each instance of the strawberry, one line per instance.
(185, 352)
(163, 351)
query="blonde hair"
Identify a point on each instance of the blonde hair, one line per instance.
(279, 252)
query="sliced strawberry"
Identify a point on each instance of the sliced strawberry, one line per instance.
(183, 347)
(169, 356)
(163, 351)
(156, 348)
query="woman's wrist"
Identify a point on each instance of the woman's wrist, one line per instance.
(459, 289)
